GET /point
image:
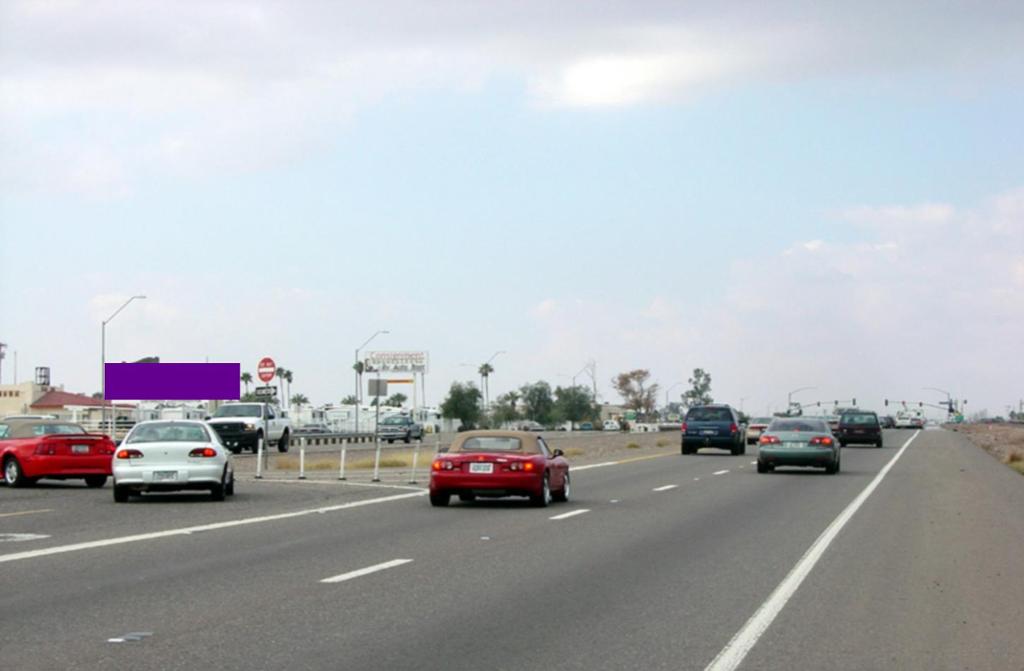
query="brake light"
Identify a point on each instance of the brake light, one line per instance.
(444, 465)
(733, 428)
(203, 452)
(129, 454)
(769, 440)
(516, 466)
(528, 466)
(46, 448)
(824, 441)
(683, 427)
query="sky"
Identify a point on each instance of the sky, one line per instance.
(798, 194)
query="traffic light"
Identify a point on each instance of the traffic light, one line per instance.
(887, 403)
(854, 401)
(920, 404)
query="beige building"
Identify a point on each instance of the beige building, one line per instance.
(17, 399)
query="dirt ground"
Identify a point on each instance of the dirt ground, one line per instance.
(1005, 442)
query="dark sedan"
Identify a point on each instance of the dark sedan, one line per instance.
(859, 427)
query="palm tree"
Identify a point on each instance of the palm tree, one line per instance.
(246, 380)
(280, 382)
(299, 400)
(288, 385)
(485, 371)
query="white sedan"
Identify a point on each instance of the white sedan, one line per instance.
(172, 455)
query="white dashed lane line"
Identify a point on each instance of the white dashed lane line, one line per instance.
(721, 472)
(573, 513)
(366, 571)
(664, 488)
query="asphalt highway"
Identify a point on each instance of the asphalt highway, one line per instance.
(673, 562)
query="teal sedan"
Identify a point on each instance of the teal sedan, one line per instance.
(798, 441)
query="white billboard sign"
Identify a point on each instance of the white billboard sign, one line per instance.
(398, 362)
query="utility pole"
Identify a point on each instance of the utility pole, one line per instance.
(359, 377)
(103, 364)
(3, 348)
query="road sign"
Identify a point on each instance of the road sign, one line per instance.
(265, 392)
(398, 362)
(266, 369)
(378, 388)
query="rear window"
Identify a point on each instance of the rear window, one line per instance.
(169, 433)
(491, 444)
(859, 419)
(52, 429)
(806, 425)
(4, 430)
(709, 415)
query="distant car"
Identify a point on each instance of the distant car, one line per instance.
(399, 427)
(500, 463)
(754, 428)
(314, 428)
(833, 422)
(586, 426)
(908, 420)
(31, 449)
(611, 425)
(887, 422)
(798, 441)
(713, 426)
(859, 427)
(531, 425)
(172, 455)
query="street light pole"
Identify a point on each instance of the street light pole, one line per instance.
(359, 377)
(667, 391)
(789, 397)
(103, 362)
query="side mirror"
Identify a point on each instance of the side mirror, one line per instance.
(558, 453)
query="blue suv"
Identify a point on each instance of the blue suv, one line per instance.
(714, 426)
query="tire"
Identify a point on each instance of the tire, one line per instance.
(229, 486)
(842, 443)
(408, 438)
(688, 450)
(95, 481)
(563, 495)
(467, 497)
(13, 475)
(217, 492)
(833, 468)
(762, 467)
(282, 442)
(121, 494)
(878, 444)
(235, 449)
(391, 441)
(737, 450)
(440, 500)
(543, 500)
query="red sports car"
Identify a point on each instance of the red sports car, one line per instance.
(499, 463)
(49, 448)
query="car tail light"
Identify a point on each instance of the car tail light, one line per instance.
(769, 440)
(129, 454)
(444, 465)
(46, 448)
(203, 452)
(683, 427)
(824, 441)
(733, 428)
(517, 466)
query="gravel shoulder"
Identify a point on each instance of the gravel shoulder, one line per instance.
(1005, 442)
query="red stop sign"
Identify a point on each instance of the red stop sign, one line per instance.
(266, 369)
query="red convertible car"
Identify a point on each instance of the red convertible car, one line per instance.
(49, 448)
(499, 463)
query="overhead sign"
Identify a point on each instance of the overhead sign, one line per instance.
(265, 392)
(266, 369)
(398, 362)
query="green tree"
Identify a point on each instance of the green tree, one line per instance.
(505, 410)
(246, 380)
(396, 400)
(636, 392)
(573, 403)
(538, 401)
(700, 389)
(463, 404)
(299, 400)
(350, 400)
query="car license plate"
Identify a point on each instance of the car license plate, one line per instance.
(709, 432)
(481, 468)
(80, 449)
(160, 476)
(794, 445)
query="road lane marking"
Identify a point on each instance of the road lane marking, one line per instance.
(721, 472)
(664, 488)
(27, 512)
(185, 531)
(621, 461)
(601, 465)
(736, 650)
(15, 538)
(366, 571)
(574, 513)
(752, 463)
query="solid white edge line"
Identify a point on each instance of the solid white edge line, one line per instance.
(721, 472)
(664, 488)
(588, 466)
(89, 545)
(574, 513)
(366, 571)
(746, 638)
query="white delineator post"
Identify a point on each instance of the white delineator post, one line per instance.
(376, 463)
(415, 459)
(259, 459)
(302, 462)
(341, 466)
